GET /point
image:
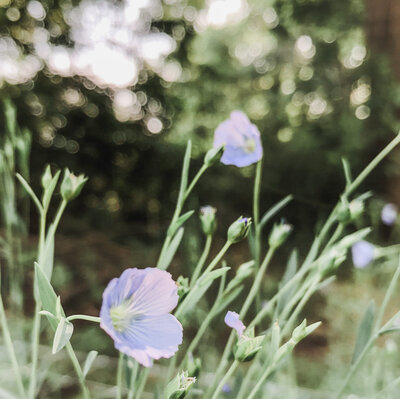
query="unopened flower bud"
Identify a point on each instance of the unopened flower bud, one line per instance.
(193, 366)
(279, 234)
(208, 220)
(179, 386)
(350, 211)
(46, 177)
(300, 332)
(72, 185)
(214, 155)
(238, 230)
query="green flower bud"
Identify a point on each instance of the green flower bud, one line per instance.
(350, 211)
(179, 386)
(356, 209)
(46, 177)
(207, 219)
(214, 155)
(71, 185)
(238, 230)
(300, 332)
(279, 234)
(247, 346)
(193, 366)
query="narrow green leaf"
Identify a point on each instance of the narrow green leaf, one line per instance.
(286, 294)
(211, 276)
(274, 210)
(199, 289)
(291, 267)
(47, 256)
(89, 361)
(179, 222)
(364, 331)
(47, 295)
(172, 248)
(63, 335)
(28, 189)
(48, 192)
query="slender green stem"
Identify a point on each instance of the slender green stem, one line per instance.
(377, 330)
(218, 258)
(35, 340)
(59, 214)
(257, 282)
(94, 319)
(388, 295)
(142, 383)
(119, 375)
(35, 350)
(355, 366)
(250, 297)
(10, 349)
(78, 371)
(171, 368)
(372, 165)
(209, 268)
(304, 299)
(225, 378)
(202, 329)
(259, 383)
(256, 224)
(194, 181)
(337, 233)
(201, 261)
(132, 383)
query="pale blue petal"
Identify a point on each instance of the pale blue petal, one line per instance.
(232, 320)
(235, 134)
(157, 294)
(389, 214)
(363, 254)
(151, 337)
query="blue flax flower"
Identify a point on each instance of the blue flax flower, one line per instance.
(241, 140)
(232, 320)
(363, 253)
(135, 313)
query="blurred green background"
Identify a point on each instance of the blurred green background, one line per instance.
(114, 89)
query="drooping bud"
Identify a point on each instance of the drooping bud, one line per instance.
(239, 229)
(179, 386)
(279, 234)
(71, 185)
(214, 155)
(208, 220)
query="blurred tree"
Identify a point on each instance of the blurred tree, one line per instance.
(114, 90)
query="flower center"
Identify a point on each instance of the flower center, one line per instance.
(121, 316)
(249, 146)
